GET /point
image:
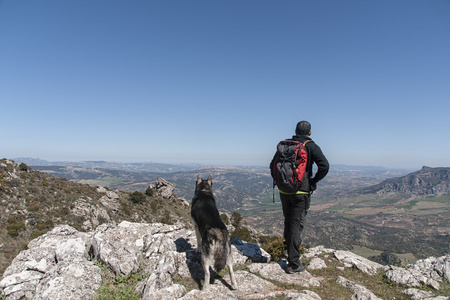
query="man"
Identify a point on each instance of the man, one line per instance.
(296, 205)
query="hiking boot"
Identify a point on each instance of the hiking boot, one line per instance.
(291, 270)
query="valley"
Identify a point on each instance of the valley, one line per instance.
(354, 207)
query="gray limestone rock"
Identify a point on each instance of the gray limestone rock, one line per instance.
(275, 271)
(303, 295)
(60, 265)
(361, 263)
(360, 292)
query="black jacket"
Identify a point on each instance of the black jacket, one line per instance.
(315, 156)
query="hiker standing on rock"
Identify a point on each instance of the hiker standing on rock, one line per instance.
(292, 171)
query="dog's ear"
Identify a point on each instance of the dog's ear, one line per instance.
(210, 180)
(199, 179)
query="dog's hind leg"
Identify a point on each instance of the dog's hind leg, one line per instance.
(206, 262)
(198, 236)
(230, 270)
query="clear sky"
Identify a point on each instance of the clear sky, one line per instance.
(221, 82)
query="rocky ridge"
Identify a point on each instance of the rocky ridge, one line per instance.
(427, 181)
(67, 264)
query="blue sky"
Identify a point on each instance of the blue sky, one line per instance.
(221, 82)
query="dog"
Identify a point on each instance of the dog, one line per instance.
(213, 240)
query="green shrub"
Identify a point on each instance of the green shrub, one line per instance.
(153, 206)
(23, 167)
(236, 219)
(274, 248)
(33, 207)
(225, 219)
(44, 225)
(119, 288)
(15, 226)
(242, 233)
(149, 192)
(137, 197)
(167, 219)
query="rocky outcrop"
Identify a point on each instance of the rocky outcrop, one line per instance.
(352, 260)
(427, 181)
(64, 264)
(360, 292)
(55, 266)
(428, 271)
(163, 188)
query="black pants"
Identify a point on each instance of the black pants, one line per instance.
(295, 208)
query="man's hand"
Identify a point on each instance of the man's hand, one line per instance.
(313, 185)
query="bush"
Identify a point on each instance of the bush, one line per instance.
(242, 233)
(15, 226)
(167, 219)
(274, 248)
(23, 167)
(236, 219)
(225, 219)
(149, 192)
(137, 197)
(154, 206)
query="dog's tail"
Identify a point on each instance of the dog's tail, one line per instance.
(221, 249)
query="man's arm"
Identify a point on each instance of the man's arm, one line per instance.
(322, 164)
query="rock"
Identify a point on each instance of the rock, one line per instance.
(213, 292)
(20, 285)
(60, 265)
(361, 263)
(303, 295)
(55, 266)
(361, 292)
(417, 294)
(436, 268)
(254, 287)
(410, 277)
(70, 280)
(316, 251)
(110, 200)
(316, 264)
(275, 271)
(164, 188)
(95, 214)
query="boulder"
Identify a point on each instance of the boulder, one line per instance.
(410, 277)
(55, 266)
(359, 262)
(360, 292)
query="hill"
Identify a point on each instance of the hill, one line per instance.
(425, 182)
(33, 202)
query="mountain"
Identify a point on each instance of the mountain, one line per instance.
(425, 182)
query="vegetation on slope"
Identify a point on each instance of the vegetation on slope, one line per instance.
(33, 202)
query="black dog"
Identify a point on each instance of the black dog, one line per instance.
(213, 240)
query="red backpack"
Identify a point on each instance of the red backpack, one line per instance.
(288, 167)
